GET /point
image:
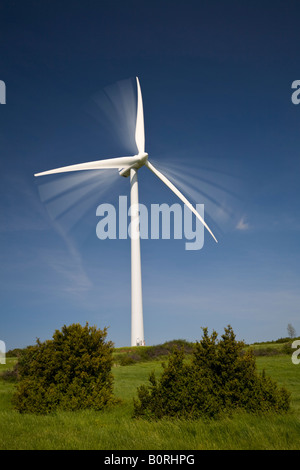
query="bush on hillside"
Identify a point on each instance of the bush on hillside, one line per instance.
(14, 352)
(219, 378)
(10, 375)
(70, 372)
(128, 356)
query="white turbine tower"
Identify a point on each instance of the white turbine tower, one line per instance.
(129, 166)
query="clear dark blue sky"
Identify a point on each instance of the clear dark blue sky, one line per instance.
(216, 81)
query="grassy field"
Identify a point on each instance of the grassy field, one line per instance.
(114, 429)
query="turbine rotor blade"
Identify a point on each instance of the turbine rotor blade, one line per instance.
(109, 163)
(178, 194)
(140, 129)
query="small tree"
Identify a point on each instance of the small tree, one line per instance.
(291, 331)
(220, 377)
(70, 372)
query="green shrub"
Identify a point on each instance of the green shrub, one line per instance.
(127, 356)
(267, 351)
(10, 375)
(72, 371)
(218, 379)
(287, 348)
(14, 352)
(130, 359)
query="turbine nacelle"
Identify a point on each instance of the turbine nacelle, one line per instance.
(139, 161)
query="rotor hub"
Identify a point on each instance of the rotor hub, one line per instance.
(142, 158)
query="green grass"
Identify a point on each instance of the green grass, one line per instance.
(114, 429)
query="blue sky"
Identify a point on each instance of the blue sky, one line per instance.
(216, 82)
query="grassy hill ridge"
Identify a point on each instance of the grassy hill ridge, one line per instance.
(114, 429)
(132, 354)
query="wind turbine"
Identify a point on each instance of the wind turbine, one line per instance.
(128, 167)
